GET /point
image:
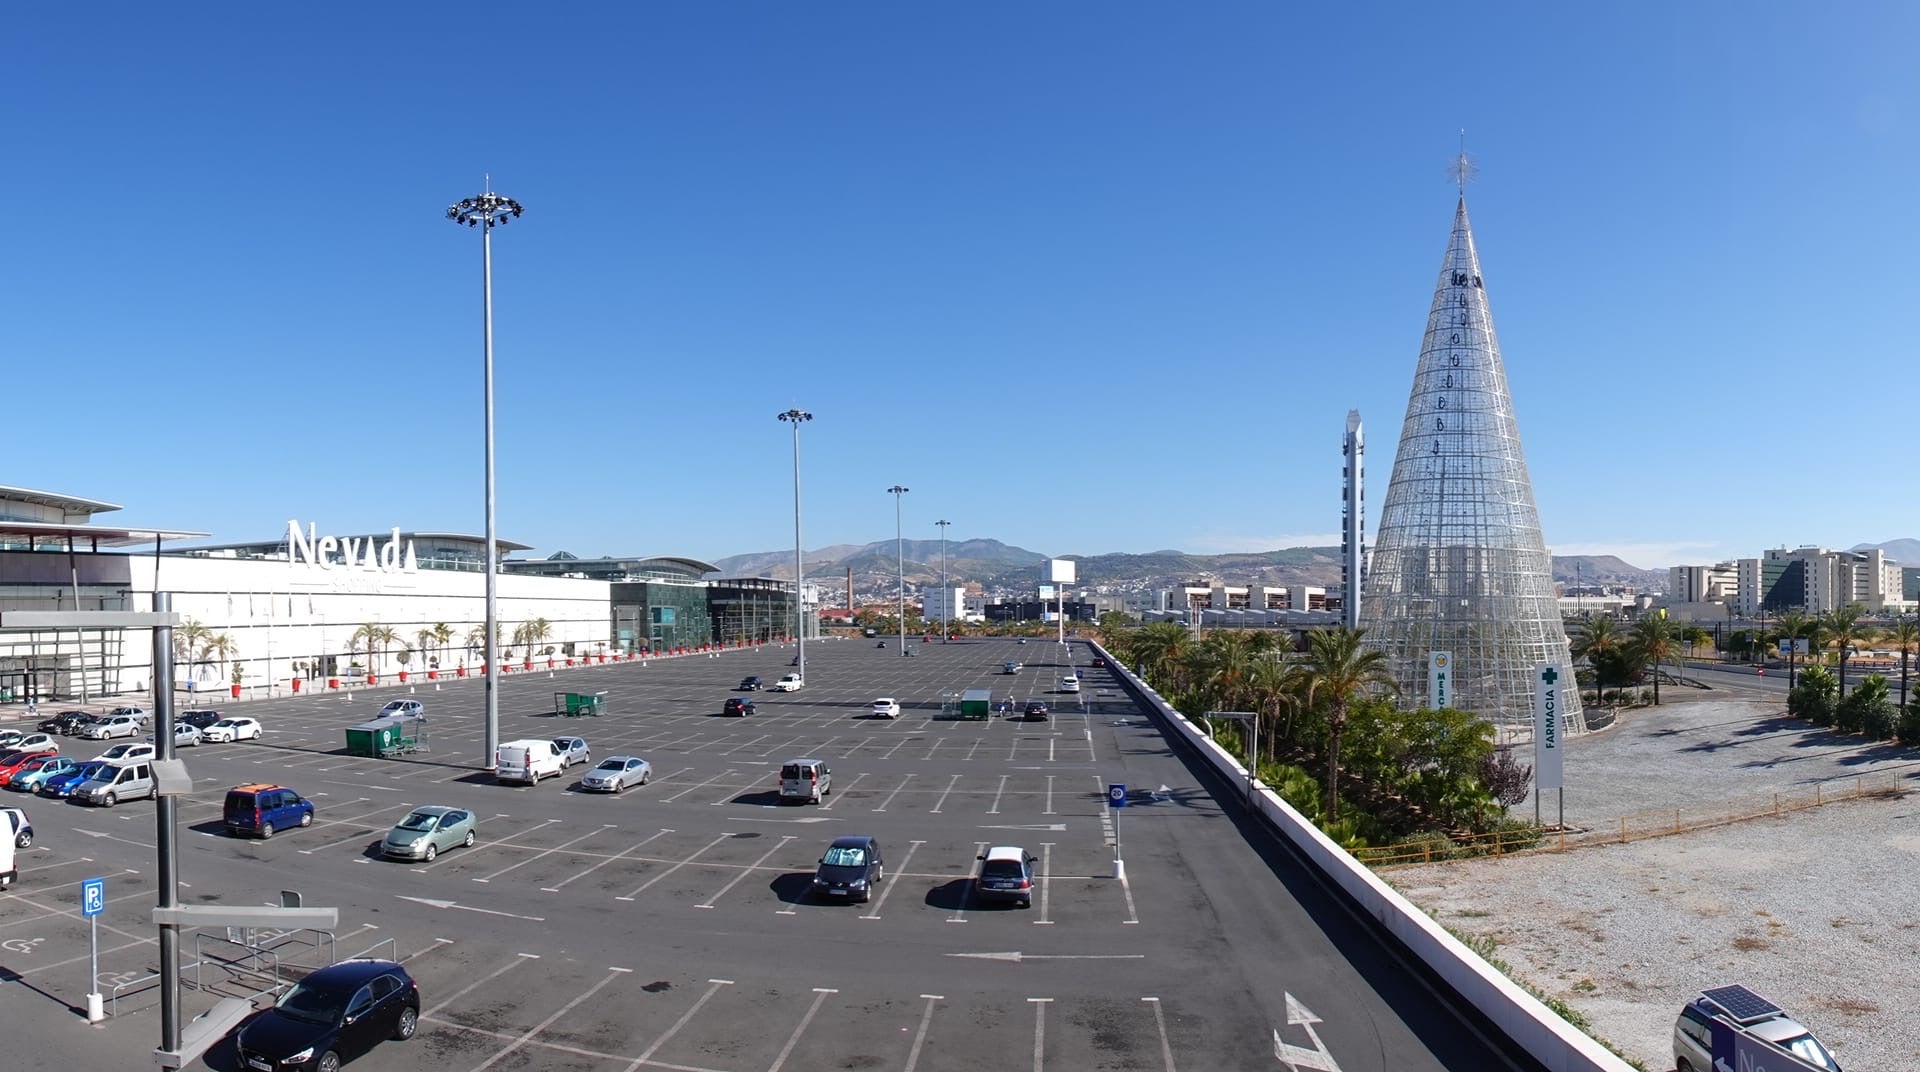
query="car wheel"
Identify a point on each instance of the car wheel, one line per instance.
(266, 830)
(109, 800)
(468, 843)
(329, 1062)
(25, 840)
(1685, 1065)
(644, 777)
(432, 851)
(306, 819)
(408, 1024)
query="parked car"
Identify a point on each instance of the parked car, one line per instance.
(30, 777)
(1036, 711)
(117, 782)
(1006, 874)
(232, 729)
(184, 736)
(750, 683)
(1012, 666)
(13, 761)
(850, 868)
(8, 737)
(108, 727)
(403, 708)
(737, 705)
(127, 753)
(331, 1016)
(526, 761)
(199, 720)
(61, 786)
(261, 808)
(1070, 683)
(138, 714)
(572, 750)
(66, 723)
(789, 683)
(886, 707)
(615, 773)
(1756, 1029)
(428, 831)
(14, 821)
(805, 780)
(37, 741)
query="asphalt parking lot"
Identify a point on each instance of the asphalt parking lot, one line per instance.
(672, 926)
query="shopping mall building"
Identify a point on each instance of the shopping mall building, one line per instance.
(315, 606)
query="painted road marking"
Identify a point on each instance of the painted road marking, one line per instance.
(1039, 1029)
(920, 1036)
(678, 1024)
(1049, 810)
(503, 969)
(874, 913)
(697, 853)
(1046, 886)
(839, 796)
(895, 793)
(556, 888)
(604, 827)
(995, 810)
(745, 871)
(1160, 1021)
(548, 1022)
(943, 795)
(357, 835)
(432, 902)
(966, 892)
(700, 785)
(819, 995)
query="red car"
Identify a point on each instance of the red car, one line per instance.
(11, 763)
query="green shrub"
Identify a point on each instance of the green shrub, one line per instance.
(1910, 722)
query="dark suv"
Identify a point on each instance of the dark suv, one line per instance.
(261, 809)
(849, 869)
(333, 1015)
(737, 705)
(749, 684)
(199, 720)
(1036, 711)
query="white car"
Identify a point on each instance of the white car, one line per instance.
(886, 707)
(1070, 683)
(111, 726)
(232, 729)
(403, 708)
(125, 753)
(36, 742)
(184, 736)
(789, 683)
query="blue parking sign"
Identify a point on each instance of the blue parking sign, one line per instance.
(1117, 795)
(93, 896)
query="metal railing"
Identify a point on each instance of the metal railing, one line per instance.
(113, 998)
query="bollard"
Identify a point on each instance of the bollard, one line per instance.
(349, 695)
(436, 686)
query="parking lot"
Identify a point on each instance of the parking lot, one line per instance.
(672, 926)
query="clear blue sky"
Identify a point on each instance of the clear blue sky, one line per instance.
(1086, 277)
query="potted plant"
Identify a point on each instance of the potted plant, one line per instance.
(238, 677)
(403, 657)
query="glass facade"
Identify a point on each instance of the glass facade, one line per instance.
(660, 616)
(753, 609)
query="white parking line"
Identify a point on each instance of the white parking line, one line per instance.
(755, 866)
(895, 793)
(995, 810)
(848, 754)
(966, 892)
(1039, 1029)
(548, 1022)
(903, 743)
(438, 943)
(1046, 886)
(519, 959)
(604, 827)
(423, 868)
(1049, 810)
(678, 1024)
(920, 1036)
(839, 796)
(819, 995)
(747, 744)
(355, 836)
(1160, 1020)
(943, 795)
(603, 863)
(1014, 750)
(874, 912)
(696, 854)
(700, 785)
(936, 747)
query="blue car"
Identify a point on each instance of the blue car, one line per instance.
(29, 777)
(63, 785)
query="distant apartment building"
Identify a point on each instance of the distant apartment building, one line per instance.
(1247, 597)
(1703, 584)
(937, 603)
(1810, 579)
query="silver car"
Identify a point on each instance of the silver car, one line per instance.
(421, 835)
(615, 773)
(184, 735)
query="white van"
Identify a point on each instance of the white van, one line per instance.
(7, 871)
(805, 780)
(527, 761)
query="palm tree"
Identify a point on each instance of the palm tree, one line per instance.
(1162, 650)
(1340, 670)
(189, 637)
(1843, 631)
(383, 640)
(1905, 636)
(1277, 685)
(1227, 660)
(1599, 639)
(538, 630)
(1656, 639)
(443, 635)
(219, 646)
(1793, 629)
(423, 640)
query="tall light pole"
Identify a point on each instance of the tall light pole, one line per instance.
(945, 592)
(900, 550)
(485, 213)
(797, 417)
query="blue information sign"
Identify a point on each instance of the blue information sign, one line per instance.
(93, 896)
(1117, 795)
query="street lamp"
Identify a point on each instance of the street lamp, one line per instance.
(1253, 747)
(797, 417)
(900, 551)
(486, 212)
(945, 592)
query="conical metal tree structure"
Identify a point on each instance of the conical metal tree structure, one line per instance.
(1459, 564)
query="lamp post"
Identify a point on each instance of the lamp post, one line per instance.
(946, 593)
(900, 551)
(1247, 718)
(797, 417)
(486, 212)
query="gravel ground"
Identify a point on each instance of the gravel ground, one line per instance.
(1818, 910)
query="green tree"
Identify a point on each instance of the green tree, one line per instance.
(1844, 631)
(1656, 640)
(1813, 698)
(1793, 629)
(1162, 650)
(1599, 640)
(1340, 670)
(1867, 709)
(1694, 636)
(1904, 635)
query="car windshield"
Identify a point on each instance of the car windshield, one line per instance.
(313, 1005)
(844, 856)
(1808, 1049)
(419, 820)
(612, 764)
(227, 722)
(91, 770)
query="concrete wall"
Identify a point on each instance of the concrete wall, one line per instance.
(1532, 1026)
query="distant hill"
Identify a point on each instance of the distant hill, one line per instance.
(1904, 551)
(997, 565)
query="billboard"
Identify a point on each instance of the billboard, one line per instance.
(1060, 570)
(1547, 745)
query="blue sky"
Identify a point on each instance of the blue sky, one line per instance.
(1085, 277)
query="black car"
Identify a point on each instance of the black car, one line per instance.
(1036, 711)
(849, 869)
(749, 684)
(66, 722)
(737, 705)
(331, 1016)
(199, 720)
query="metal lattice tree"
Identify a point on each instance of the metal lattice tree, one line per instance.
(1459, 563)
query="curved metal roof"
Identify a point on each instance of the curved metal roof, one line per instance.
(69, 503)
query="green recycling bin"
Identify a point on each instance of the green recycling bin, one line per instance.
(575, 704)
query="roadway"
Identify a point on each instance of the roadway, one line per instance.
(670, 927)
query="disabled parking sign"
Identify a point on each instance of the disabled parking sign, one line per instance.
(1117, 795)
(93, 896)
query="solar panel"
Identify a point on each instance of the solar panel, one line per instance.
(1745, 1006)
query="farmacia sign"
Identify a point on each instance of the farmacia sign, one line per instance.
(392, 555)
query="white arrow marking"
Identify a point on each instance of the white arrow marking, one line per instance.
(1032, 826)
(1301, 1057)
(757, 819)
(434, 903)
(1017, 957)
